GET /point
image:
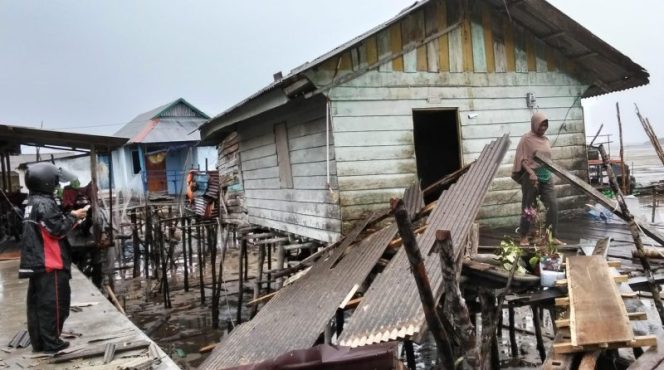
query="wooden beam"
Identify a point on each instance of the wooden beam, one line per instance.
(640, 341)
(599, 197)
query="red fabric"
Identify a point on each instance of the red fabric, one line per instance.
(52, 253)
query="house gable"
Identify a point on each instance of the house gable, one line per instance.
(451, 36)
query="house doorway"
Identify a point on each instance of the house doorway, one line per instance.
(437, 145)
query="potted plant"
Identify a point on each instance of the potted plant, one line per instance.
(548, 261)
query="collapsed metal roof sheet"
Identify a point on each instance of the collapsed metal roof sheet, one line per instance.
(391, 308)
(297, 315)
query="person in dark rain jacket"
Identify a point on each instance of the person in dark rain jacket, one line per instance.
(46, 258)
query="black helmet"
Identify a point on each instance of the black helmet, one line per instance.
(42, 178)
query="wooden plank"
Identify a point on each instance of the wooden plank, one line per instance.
(360, 153)
(383, 45)
(467, 39)
(479, 50)
(283, 155)
(409, 92)
(455, 38)
(588, 189)
(488, 38)
(377, 167)
(509, 45)
(372, 50)
(375, 138)
(303, 208)
(530, 53)
(589, 361)
(395, 46)
(443, 41)
(540, 56)
(594, 302)
(520, 55)
(639, 341)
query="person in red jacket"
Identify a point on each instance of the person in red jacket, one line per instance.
(46, 258)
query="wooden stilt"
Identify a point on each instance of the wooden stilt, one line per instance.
(513, 345)
(213, 265)
(185, 267)
(191, 249)
(488, 303)
(280, 263)
(454, 305)
(269, 267)
(537, 324)
(259, 276)
(135, 241)
(243, 250)
(201, 278)
(410, 354)
(423, 285)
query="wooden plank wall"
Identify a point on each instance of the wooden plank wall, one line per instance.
(230, 180)
(484, 69)
(308, 208)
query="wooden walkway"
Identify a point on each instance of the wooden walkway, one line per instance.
(94, 326)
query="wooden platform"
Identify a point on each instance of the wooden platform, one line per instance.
(598, 318)
(96, 323)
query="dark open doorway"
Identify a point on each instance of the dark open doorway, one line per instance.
(437, 146)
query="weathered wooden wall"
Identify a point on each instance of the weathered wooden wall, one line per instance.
(230, 180)
(484, 68)
(309, 207)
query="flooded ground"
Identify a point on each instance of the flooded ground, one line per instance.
(186, 328)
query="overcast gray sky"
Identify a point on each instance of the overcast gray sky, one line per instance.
(91, 66)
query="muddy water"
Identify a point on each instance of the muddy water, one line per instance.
(189, 324)
(191, 320)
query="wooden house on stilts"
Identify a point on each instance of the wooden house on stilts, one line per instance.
(415, 98)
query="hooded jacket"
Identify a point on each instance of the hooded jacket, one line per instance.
(44, 247)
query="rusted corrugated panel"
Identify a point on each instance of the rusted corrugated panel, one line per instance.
(295, 318)
(391, 307)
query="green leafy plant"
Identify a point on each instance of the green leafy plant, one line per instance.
(509, 253)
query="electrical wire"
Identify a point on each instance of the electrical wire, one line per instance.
(563, 126)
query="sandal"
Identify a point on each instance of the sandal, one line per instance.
(524, 242)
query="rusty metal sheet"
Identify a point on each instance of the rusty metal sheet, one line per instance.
(297, 315)
(391, 308)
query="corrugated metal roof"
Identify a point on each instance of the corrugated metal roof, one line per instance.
(150, 127)
(391, 307)
(20, 135)
(297, 315)
(172, 130)
(611, 70)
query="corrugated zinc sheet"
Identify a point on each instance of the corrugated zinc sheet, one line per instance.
(172, 130)
(297, 315)
(140, 125)
(391, 307)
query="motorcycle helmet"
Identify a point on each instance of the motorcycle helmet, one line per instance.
(42, 178)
